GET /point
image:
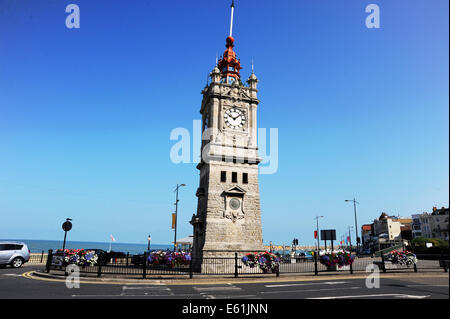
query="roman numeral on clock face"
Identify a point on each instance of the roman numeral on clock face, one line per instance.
(234, 118)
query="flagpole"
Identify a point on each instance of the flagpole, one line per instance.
(231, 22)
(317, 229)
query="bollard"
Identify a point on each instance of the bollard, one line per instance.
(99, 269)
(49, 260)
(351, 268)
(382, 262)
(144, 268)
(415, 267)
(190, 269)
(235, 265)
(444, 263)
(42, 256)
(128, 255)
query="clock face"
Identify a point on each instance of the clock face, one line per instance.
(235, 203)
(234, 118)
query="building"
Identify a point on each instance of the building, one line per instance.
(367, 234)
(387, 227)
(421, 226)
(386, 231)
(228, 217)
(406, 232)
(434, 225)
(439, 223)
(392, 230)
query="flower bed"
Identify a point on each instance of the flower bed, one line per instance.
(79, 257)
(171, 259)
(339, 259)
(397, 257)
(265, 261)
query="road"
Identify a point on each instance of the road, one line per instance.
(14, 283)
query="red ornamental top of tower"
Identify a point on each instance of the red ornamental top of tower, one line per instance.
(229, 65)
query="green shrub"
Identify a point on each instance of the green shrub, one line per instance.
(419, 245)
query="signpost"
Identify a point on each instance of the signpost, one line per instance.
(328, 234)
(66, 226)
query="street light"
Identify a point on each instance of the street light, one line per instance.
(176, 216)
(317, 229)
(356, 222)
(149, 238)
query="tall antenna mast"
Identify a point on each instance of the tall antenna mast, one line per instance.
(231, 23)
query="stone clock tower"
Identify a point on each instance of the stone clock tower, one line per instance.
(228, 215)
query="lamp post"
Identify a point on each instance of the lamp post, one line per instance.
(317, 229)
(176, 216)
(356, 221)
(149, 238)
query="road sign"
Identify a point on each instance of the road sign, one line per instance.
(66, 226)
(328, 234)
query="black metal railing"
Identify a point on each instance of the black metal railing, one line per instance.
(234, 266)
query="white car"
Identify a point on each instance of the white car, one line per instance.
(14, 254)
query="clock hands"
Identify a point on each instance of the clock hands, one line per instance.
(235, 118)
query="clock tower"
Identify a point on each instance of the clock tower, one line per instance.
(228, 217)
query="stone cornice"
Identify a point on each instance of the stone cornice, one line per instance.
(210, 92)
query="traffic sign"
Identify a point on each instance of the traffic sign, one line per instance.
(66, 226)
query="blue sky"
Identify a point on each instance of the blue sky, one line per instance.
(86, 114)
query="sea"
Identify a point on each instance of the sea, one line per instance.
(37, 246)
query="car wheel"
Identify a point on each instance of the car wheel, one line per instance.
(17, 262)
